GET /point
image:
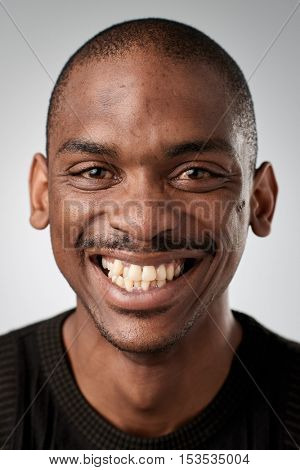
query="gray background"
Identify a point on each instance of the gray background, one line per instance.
(35, 43)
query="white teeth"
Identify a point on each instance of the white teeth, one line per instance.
(177, 271)
(145, 285)
(161, 273)
(125, 271)
(128, 284)
(170, 271)
(149, 273)
(117, 268)
(109, 265)
(134, 276)
(135, 272)
(120, 281)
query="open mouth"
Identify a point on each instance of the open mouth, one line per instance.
(134, 277)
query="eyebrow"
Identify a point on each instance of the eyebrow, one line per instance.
(201, 146)
(195, 146)
(87, 146)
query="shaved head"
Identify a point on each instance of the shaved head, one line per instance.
(170, 41)
(151, 145)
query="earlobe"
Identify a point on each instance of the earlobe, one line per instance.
(38, 188)
(263, 200)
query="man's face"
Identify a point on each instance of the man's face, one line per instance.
(130, 180)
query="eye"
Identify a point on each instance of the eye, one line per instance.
(93, 176)
(198, 179)
(97, 172)
(195, 173)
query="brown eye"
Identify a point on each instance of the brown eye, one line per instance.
(198, 179)
(97, 173)
(194, 174)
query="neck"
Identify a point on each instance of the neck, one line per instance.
(153, 394)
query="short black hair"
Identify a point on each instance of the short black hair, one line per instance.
(173, 40)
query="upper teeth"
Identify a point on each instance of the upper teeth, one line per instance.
(129, 276)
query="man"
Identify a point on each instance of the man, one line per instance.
(149, 186)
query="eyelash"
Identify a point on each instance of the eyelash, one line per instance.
(211, 181)
(213, 174)
(200, 168)
(94, 167)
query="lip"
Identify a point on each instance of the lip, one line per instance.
(148, 259)
(160, 297)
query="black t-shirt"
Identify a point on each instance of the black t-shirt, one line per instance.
(41, 406)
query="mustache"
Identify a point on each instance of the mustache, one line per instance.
(160, 243)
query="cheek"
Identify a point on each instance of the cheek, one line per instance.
(224, 221)
(235, 227)
(230, 232)
(73, 214)
(66, 221)
(68, 218)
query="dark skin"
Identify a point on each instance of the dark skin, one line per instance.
(148, 374)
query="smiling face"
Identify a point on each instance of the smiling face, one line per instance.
(149, 199)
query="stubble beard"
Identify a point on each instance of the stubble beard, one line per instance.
(164, 345)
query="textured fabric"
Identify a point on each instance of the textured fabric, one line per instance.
(7, 390)
(41, 406)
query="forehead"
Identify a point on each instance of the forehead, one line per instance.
(138, 98)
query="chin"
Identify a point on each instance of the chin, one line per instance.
(138, 345)
(138, 333)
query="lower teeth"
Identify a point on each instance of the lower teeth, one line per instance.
(136, 285)
(129, 285)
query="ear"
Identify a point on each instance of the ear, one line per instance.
(263, 199)
(38, 188)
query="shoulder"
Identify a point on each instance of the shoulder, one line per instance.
(16, 344)
(260, 335)
(7, 387)
(279, 354)
(11, 339)
(19, 359)
(292, 392)
(9, 363)
(278, 360)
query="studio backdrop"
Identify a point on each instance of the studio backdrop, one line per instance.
(37, 37)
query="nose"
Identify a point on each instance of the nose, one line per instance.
(145, 216)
